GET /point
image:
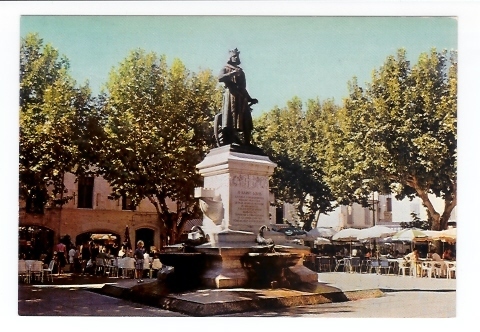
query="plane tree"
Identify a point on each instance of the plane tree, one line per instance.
(289, 136)
(158, 127)
(58, 125)
(398, 135)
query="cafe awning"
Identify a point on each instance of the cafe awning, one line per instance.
(103, 237)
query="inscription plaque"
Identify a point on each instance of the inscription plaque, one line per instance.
(249, 199)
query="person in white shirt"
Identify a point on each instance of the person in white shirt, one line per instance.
(436, 257)
(121, 252)
(71, 255)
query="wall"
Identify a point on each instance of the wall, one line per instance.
(105, 216)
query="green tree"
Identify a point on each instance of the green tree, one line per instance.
(289, 136)
(158, 127)
(417, 222)
(399, 134)
(55, 124)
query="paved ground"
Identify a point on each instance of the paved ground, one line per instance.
(392, 305)
(404, 297)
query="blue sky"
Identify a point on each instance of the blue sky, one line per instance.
(282, 56)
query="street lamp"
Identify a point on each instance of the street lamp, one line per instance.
(374, 205)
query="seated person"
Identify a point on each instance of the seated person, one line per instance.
(447, 254)
(413, 256)
(102, 254)
(368, 254)
(435, 256)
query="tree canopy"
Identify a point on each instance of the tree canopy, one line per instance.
(289, 136)
(56, 126)
(399, 134)
(147, 133)
(158, 127)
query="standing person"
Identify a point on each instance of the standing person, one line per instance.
(139, 258)
(71, 258)
(61, 256)
(85, 256)
(236, 111)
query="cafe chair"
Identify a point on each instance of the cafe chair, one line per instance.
(451, 269)
(374, 265)
(128, 267)
(324, 264)
(48, 271)
(111, 268)
(36, 271)
(23, 272)
(156, 266)
(120, 266)
(99, 265)
(439, 268)
(355, 264)
(343, 263)
(427, 269)
(146, 267)
(384, 265)
(403, 266)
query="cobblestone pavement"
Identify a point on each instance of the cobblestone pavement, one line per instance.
(418, 304)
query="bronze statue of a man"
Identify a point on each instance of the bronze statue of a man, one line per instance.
(236, 112)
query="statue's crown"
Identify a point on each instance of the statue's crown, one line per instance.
(234, 51)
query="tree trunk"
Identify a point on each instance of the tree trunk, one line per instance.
(439, 223)
(431, 209)
(161, 224)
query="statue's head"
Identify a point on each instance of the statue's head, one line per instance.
(234, 56)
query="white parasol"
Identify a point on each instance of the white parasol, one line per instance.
(410, 235)
(346, 235)
(449, 235)
(321, 241)
(320, 232)
(375, 232)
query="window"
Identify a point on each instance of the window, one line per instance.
(389, 204)
(127, 203)
(85, 192)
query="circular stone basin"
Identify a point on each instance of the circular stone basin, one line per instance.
(272, 259)
(265, 268)
(181, 259)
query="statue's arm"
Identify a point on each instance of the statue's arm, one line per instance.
(225, 76)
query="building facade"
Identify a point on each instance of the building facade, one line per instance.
(90, 211)
(388, 212)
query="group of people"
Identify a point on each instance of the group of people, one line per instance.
(447, 255)
(82, 258)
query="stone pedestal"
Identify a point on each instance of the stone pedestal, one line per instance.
(240, 181)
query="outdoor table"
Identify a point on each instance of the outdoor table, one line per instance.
(345, 262)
